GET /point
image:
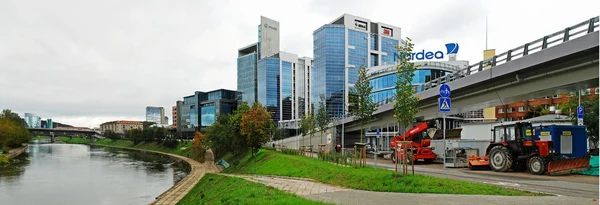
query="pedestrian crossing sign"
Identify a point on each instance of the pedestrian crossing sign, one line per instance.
(445, 104)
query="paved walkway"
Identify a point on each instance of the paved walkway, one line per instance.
(179, 190)
(339, 195)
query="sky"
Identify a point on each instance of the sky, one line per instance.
(84, 62)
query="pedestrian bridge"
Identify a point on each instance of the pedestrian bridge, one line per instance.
(560, 62)
(52, 133)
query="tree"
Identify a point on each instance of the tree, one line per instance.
(405, 102)
(13, 130)
(198, 142)
(322, 119)
(590, 117)
(365, 107)
(255, 127)
(147, 124)
(8, 114)
(307, 126)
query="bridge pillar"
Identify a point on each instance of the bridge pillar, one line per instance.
(52, 139)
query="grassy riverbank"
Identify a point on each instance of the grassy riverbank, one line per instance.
(74, 140)
(183, 149)
(219, 189)
(368, 178)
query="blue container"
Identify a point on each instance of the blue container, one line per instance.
(568, 140)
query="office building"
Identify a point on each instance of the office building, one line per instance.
(174, 115)
(121, 126)
(276, 79)
(340, 48)
(155, 114)
(201, 110)
(33, 120)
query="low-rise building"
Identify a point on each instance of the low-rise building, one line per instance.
(121, 126)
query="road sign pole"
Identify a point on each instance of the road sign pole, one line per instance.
(444, 135)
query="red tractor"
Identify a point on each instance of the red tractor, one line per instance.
(420, 144)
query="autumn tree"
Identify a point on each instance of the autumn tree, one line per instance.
(13, 130)
(364, 105)
(405, 102)
(307, 126)
(255, 126)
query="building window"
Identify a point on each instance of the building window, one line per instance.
(500, 110)
(509, 110)
(586, 92)
(554, 96)
(521, 109)
(596, 90)
(545, 97)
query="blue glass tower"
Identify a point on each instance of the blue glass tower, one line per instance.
(340, 48)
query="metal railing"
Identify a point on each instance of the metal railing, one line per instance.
(556, 38)
(537, 45)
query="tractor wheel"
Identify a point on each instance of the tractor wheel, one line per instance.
(429, 161)
(501, 159)
(394, 156)
(537, 165)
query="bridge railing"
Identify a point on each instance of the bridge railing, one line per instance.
(537, 45)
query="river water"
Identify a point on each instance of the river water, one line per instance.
(65, 174)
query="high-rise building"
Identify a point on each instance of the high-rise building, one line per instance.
(33, 120)
(340, 48)
(201, 110)
(278, 80)
(155, 114)
(174, 115)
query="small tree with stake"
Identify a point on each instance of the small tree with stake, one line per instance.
(322, 118)
(405, 102)
(362, 94)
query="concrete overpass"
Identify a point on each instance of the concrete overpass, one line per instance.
(564, 61)
(52, 133)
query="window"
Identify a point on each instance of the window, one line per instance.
(545, 97)
(521, 109)
(500, 110)
(596, 90)
(554, 96)
(509, 110)
(586, 92)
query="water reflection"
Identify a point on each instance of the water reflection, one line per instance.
(80, 174)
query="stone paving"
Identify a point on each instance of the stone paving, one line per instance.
(297, 186)
(339, 195)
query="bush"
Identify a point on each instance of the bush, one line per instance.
(170, 143)
(290, 151)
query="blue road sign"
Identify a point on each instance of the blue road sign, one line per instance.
(377, 132)
(445, 90)
(445, 104)
(579, 112)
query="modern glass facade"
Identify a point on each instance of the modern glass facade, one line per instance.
(208, 114)
(286, 90)
(388, 46)
(300, 91)
(268, 85)
(383, 86)
(328, 73)
(33, 120)
(246, 83)
(202, 109)
(155, 114)
(357, 56)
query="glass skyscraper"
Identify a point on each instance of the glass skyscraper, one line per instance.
(278, 80)
(340, 48)
(202, 109)
(155, 114)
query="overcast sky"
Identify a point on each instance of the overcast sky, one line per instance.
(86, 62)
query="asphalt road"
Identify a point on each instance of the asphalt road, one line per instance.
(571, 185)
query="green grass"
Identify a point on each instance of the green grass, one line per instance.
(183, 149)
(74, 140)
(218, 189)
(38, 137)
(368, 178)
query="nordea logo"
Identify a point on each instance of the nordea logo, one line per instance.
(451, 48)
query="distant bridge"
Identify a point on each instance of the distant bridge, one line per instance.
(52, 133)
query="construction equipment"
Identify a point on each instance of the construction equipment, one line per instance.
(420, 144)
(555, 149)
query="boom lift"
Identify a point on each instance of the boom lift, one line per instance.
(419, 146)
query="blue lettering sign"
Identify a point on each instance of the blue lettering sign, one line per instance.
(451, 48)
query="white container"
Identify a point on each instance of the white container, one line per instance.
(438, 146)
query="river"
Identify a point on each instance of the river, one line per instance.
(65, 174)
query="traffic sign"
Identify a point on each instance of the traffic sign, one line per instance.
(444, 104)
(445, 90)
(377, 132)
(579, 112)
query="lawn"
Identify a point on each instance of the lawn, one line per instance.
(219, 189)
(74, 140)
(183, 149)
(368, 178)
(38, 137)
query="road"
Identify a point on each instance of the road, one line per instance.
(572, 185)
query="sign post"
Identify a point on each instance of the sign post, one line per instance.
(580, 112)
(445, 106)
(375, 146)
